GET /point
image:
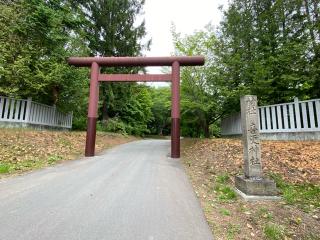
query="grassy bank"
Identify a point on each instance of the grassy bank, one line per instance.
(26, 149)
(212, 165)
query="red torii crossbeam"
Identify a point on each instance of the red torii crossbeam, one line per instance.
(96, 77)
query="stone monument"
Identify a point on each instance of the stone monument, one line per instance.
(252, 183)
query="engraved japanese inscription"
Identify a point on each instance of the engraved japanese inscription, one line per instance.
(251, 137)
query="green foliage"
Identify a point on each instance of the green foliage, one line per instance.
(267, 49)
(38, 36)
(111, 30)
(202, 93)
(113, 125)
(214, 129)
(161, 111)
(223, 178)
(131, 106)
(224, 212)
(265, 213)
(225, 193)
(118, 126)
(274, 231)
(34, 43)
(232, 230)
(79, 122)
(306, 196)
(53, 159)
(4, 168)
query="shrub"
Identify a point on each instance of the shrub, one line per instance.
(113, 125)
(79, 123)
(118, 126)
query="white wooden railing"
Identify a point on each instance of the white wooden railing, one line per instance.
(29, 112)
(298, 116)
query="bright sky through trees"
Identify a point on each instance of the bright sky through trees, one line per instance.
(187, 16)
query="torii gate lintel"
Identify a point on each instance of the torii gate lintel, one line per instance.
(96, 77)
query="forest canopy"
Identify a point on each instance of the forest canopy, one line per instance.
(269, 48)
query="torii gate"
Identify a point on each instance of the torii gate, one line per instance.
(96, 77)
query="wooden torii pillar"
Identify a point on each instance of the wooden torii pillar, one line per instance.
(96, 62)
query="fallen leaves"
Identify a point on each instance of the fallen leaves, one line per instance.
(25, 149)
(208, 161)
(295, 161)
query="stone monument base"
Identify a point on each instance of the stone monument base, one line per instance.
(256, 186)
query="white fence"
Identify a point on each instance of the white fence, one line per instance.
(298, 116)
(29, 112)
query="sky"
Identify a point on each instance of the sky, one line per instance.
(187, 16)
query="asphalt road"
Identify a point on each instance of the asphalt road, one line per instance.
(131, 192)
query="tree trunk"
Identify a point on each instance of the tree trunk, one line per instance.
(311, 29)
(206, 130)
(104, 110)
(55, 94)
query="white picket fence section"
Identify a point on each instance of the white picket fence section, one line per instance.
(29, 112)
(297, 116)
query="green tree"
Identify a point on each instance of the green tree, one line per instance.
(161, 111)
(203, 94)
(36, 38)
(112, 30)
(136, 113)
(266, 48)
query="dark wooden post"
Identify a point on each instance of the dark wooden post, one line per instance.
(175, 110)
(92, 110)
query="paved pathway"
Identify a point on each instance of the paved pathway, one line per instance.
(131, 192)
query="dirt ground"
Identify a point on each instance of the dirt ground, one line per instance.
(212, 164)
(26, 149)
